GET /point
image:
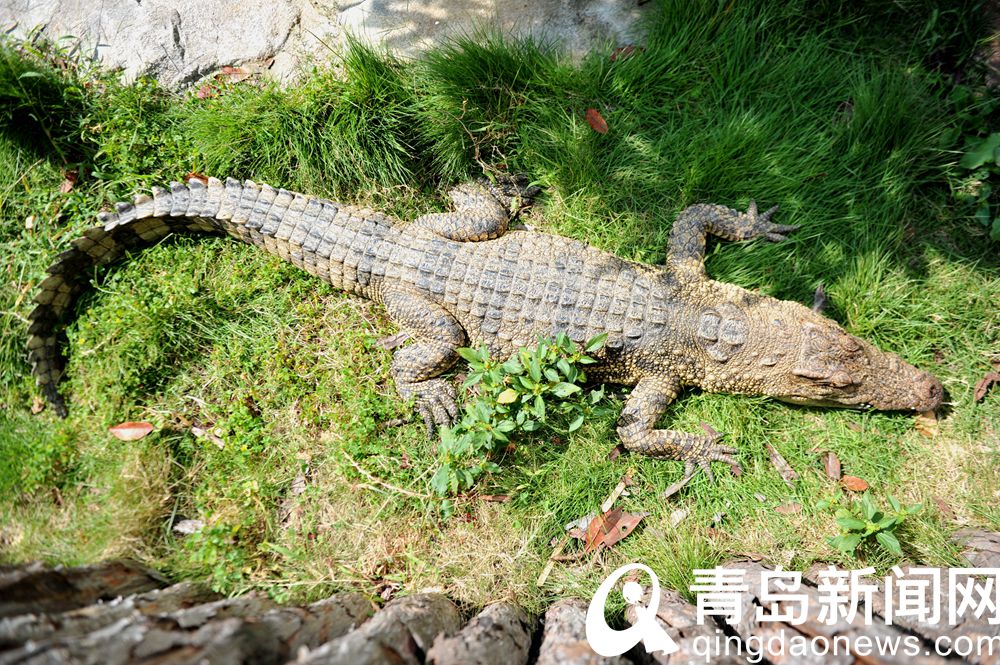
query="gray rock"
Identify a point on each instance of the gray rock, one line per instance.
(181, 41)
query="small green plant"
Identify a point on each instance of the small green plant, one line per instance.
(981, 164)
(536, 389)
(862, 521)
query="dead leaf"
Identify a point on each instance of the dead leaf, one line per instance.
(789, 508)
(616, 452)
(37, 405)
(623, 52)
(678, 516)
(854, 427)
(194, 175)
(392, 341)
(608, 528)
(495, 498)
(983, 385)
(211, 436)
(29, 222)
(596, 122)
(131, 431)
(234, 74)
(926, 423)
(943, 508)
(854, 484)
(69, 180)
(676, 487)
(760, 497)
(831, 463)
(784, 469)
(206, 92)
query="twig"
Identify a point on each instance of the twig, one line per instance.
(552, 561)
(382, 483)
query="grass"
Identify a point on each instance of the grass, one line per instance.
(841, 117)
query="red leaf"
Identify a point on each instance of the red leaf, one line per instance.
(854, 484)
(596, 122)
(130, 431)
(609, 528)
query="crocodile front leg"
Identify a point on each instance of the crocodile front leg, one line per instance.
(686, 253)
(416, 367)
(482, 209)
(648, 401)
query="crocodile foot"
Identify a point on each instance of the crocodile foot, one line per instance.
(434, 401)
(760, 225)
(701, 450)
(512, 191)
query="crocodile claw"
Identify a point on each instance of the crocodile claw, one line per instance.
(434, 401)
(760, 224)
(705, 450)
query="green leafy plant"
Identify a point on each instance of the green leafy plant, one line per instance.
(863, 521)
(536, 389)
(981, 163)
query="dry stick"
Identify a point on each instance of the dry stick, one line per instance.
(552, 561)
(382, 483)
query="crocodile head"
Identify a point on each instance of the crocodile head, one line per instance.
(796, 355)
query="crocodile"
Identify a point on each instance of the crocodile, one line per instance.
(469, 277)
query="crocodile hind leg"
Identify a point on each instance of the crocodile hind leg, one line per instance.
(648, 401)
(686, 254)
(416, 368)
(483, 209)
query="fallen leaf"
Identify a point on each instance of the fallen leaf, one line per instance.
(235, 74)
(37, 405)
(926, 423)
(131, 431)
(608, 528)
(943, 508)
(784, 469)
(211, 436)
(831, 463)
(495, 498)
(854, 484)
(596, 122)
(29, 222)
(676, 487)
(983, 385)
(616, 452)
(789, 508)
(854, 427)
(678, 516)
(69, 179)
(206, 92)
(580, 524)
(623, 52)
(392, 341)
(194, 175)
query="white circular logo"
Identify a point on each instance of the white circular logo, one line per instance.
(607, 641)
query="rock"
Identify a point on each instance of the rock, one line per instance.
(181, 41)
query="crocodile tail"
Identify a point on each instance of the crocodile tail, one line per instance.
(231, 207)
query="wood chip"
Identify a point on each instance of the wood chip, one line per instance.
(784, 469)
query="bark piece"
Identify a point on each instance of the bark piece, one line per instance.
(679, 619)
(15, 631)
(402, 632)
(499, 635)
(982, 548)
(564, 640)
(34, 588)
